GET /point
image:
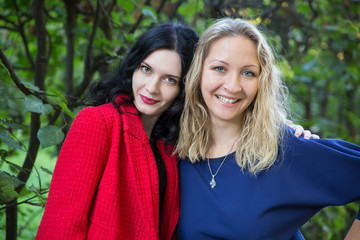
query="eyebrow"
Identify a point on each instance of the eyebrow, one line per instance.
(169, 75)
(145, 63)
(252, 65)
(249, 65)
(217, 60)
(173, 76)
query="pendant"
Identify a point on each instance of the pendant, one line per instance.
(212, 182)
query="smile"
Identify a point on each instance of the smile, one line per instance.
(226, 100)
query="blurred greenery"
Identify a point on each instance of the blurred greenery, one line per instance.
(57, 48)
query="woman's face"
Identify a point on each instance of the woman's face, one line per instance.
(230, 78)
(156, 82)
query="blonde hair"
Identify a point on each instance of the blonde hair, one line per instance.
(263, 124)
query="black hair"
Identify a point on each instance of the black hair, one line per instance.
(169, 35)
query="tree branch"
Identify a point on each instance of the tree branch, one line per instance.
(161, 6)
(40, 71)
(139, 20)
(71, 15)
(11, 204)
(7, 20)
(8, 28)
(18, 83)
(88, 71)
(26, 45)
(13, 75)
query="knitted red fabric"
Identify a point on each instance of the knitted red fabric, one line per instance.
(105, 184)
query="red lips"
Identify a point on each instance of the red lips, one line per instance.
(147, 100)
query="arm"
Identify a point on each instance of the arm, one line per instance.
(354, 232)
(77, 173)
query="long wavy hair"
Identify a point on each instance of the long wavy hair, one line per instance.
(263, 122)
(169, 35)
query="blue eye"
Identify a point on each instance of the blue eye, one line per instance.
(145, 69)
(248, 74)
(219, 69)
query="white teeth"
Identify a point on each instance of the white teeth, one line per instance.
(226, 100)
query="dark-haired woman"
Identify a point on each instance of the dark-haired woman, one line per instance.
(115, 177)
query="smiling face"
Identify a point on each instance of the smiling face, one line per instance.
(230, 78)
(156, 83)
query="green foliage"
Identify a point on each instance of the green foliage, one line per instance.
(7, 192)
(5, 136)
(33, 104)
(50, 135)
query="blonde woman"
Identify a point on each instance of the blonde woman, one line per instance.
(243, 173)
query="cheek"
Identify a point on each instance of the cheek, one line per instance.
(172, 93)
(251, 89)
(136, 80)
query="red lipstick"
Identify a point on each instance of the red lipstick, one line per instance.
(147, 100)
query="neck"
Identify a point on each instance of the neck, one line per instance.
(223, 137)
(149, 123)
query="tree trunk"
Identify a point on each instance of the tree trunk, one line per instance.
(40, 72)
(11, 218)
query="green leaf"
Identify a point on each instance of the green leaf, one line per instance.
(47, 171)
(50, 135)
(5, 136)
(149, 12)
(58, 94)
(12, 125)
(130, 37)
(126, 5)
(14, 180)
(33, 104)
(65, 108)
(7, 192)
(3, 153)
(17, 167)
(33, 189)
(32, 87)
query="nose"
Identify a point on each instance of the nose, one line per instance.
(153, 85)
(233, 83)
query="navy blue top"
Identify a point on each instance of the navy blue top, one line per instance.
(307, 176)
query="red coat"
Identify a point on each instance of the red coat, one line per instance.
(105, 184)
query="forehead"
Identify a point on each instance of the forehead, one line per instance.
(168, 61)
(234, 49)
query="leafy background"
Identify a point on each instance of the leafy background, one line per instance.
(51, 51)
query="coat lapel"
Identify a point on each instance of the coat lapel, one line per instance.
(144, 168)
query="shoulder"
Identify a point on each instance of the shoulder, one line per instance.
(106, 111)
(96, 118)
(315, 147)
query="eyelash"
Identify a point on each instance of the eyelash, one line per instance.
(252, 74)
(145, 69)
(245, 73)
(218, 69)
(173, 81)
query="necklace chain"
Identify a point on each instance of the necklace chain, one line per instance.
(213, 182)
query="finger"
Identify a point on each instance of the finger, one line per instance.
(307, 134)
(299, 130)
(314, 136)
(290, 124)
